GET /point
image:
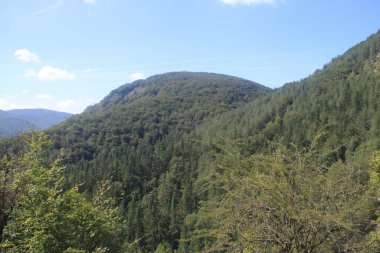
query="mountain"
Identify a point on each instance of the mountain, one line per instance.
(13, 126)
(40, 118)
(16, 122)
(202, 162)
(158, 140)
(139, 133)
(148, 111)
(337, 106)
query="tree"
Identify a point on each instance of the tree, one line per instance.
(46, 219)
(18, 171)
(286, 202)
(373, 239)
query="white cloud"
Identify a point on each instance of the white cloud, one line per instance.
(25, 91)
(86, 71)
(30, 73)
(24, 55)
(5, 105)
(48, 73)
(137, 76)
(45, 96)
(251, 2)
(90, 100)
(90, 1)
(66, 104)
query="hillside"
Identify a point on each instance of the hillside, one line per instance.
(337, 108)
(16, 122)
(13, 126)
(201, 162)
(137, 135)
(142, 138)
(40, 118)
(147, 111)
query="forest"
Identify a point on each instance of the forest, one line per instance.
(201, 162)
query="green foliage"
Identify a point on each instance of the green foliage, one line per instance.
(164, 248)
(21, 171)
(45, 222)
(140, 138)
(373, 240)
(286, 202)
(45, 219)
(341, 101)
(188, 160)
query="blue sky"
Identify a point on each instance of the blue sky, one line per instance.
(67, 54)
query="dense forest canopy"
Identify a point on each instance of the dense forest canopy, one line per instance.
(200, 162)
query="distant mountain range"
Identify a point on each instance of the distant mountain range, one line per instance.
(16, 122)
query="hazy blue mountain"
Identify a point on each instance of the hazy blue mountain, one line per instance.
(16, 122)
(40, 118)
(13, 126)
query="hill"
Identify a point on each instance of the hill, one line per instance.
(201, 162)
(13, 126)
(337, 106)
(159, 141)
(279, 168)
(139, 133)
(40, 118)
(148, 111)
(16, 122)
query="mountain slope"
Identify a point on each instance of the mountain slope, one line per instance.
(164, 146)
(325, 125)
(16, 122)
(13, 126)
(338, 105)
(141, 134)
(148, 110)
(141, 137)
(40, 118)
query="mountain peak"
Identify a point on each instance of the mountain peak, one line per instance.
(176, 84)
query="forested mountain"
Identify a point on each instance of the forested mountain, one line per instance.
(338, 105)
(12, 126)
(134, 137)
(40, 118)
(200, 162)
(289, 171)
(150, 111)
(19, 121)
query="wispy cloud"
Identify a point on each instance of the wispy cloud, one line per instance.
(66, 104)
(24, 55)
(57, 4)
(90, 100)
(137, 76)
(45, 96)
(48, 73)
(5, 105)
(89, 1)
(252, 2)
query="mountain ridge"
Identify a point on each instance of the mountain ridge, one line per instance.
(126, 89)
(166, 147)
(339, 102)
(162, 105)
(18, 121)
